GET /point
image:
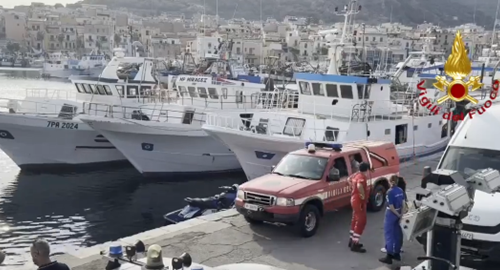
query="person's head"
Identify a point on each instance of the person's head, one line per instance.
(364, 167)
(40, 252)
(393, 181)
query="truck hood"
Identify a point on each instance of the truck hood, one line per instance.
(273, 184)
(485, 210)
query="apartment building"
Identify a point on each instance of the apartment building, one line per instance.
(15, 26)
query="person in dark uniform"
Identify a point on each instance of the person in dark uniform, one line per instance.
(40, 253)
(402, 185)
(393, 233)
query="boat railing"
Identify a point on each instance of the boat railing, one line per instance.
(273, 128)
(153, 112)
(47, 93)
(38, 107)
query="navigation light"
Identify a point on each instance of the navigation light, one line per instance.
(334, 146)
(311, 148)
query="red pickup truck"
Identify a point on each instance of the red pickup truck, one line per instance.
(310, 182)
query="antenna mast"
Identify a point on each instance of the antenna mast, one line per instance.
(349, 10)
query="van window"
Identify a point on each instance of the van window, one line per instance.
(469, 160)
(340, 164)
(331, 90)
(346, 91)
(304, 88)
(318, 89)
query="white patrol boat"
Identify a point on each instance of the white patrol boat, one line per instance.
(44, 128)
(172, 141)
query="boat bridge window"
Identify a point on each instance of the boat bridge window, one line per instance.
(94, 89)
(87, 88)
(212, 92)
(100, 89)
(224, 93)
(331, 134)
(119, 88)
(304, 88)
(182, 91)
(108, 90)
(79, 88)
(294, 126)
(192, 91)
(318, 89)
(203, 92)
(363, 91)
(346, 91)
(145, 90)
(332, 91)
(401, 134)
(429, 83)
(131, 91)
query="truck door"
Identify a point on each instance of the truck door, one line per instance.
(337, 190)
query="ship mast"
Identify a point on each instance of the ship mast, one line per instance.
(349, 10)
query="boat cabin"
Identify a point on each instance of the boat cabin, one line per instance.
(344, 96)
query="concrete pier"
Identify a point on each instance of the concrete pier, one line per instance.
(225, 238)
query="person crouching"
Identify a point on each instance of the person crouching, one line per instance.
(392, 231)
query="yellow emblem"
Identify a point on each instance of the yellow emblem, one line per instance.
(458, 66)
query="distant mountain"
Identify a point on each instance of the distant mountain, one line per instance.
(409, 12)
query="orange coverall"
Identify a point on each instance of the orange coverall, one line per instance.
(358, 221)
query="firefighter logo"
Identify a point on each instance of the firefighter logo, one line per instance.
(458, 67)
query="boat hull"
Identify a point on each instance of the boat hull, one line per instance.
(35, 141)
(257, 153)
(166, 149)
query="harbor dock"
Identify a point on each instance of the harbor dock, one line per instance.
(225, 238)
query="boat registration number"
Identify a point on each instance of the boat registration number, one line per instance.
(63, 125)
(252, 207)
(466, 235)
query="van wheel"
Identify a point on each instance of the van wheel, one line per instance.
(308, 222)
(377, 198)
(253, 221)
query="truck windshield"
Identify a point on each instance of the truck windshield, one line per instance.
(307, 167)
(468, 160)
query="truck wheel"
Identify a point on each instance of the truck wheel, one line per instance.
(377, 198)
(308, 221)
(253, 221)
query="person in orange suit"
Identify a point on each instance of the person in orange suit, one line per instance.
(359, 197)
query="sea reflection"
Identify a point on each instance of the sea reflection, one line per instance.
(74, 210)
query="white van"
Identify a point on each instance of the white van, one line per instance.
(476, 145)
